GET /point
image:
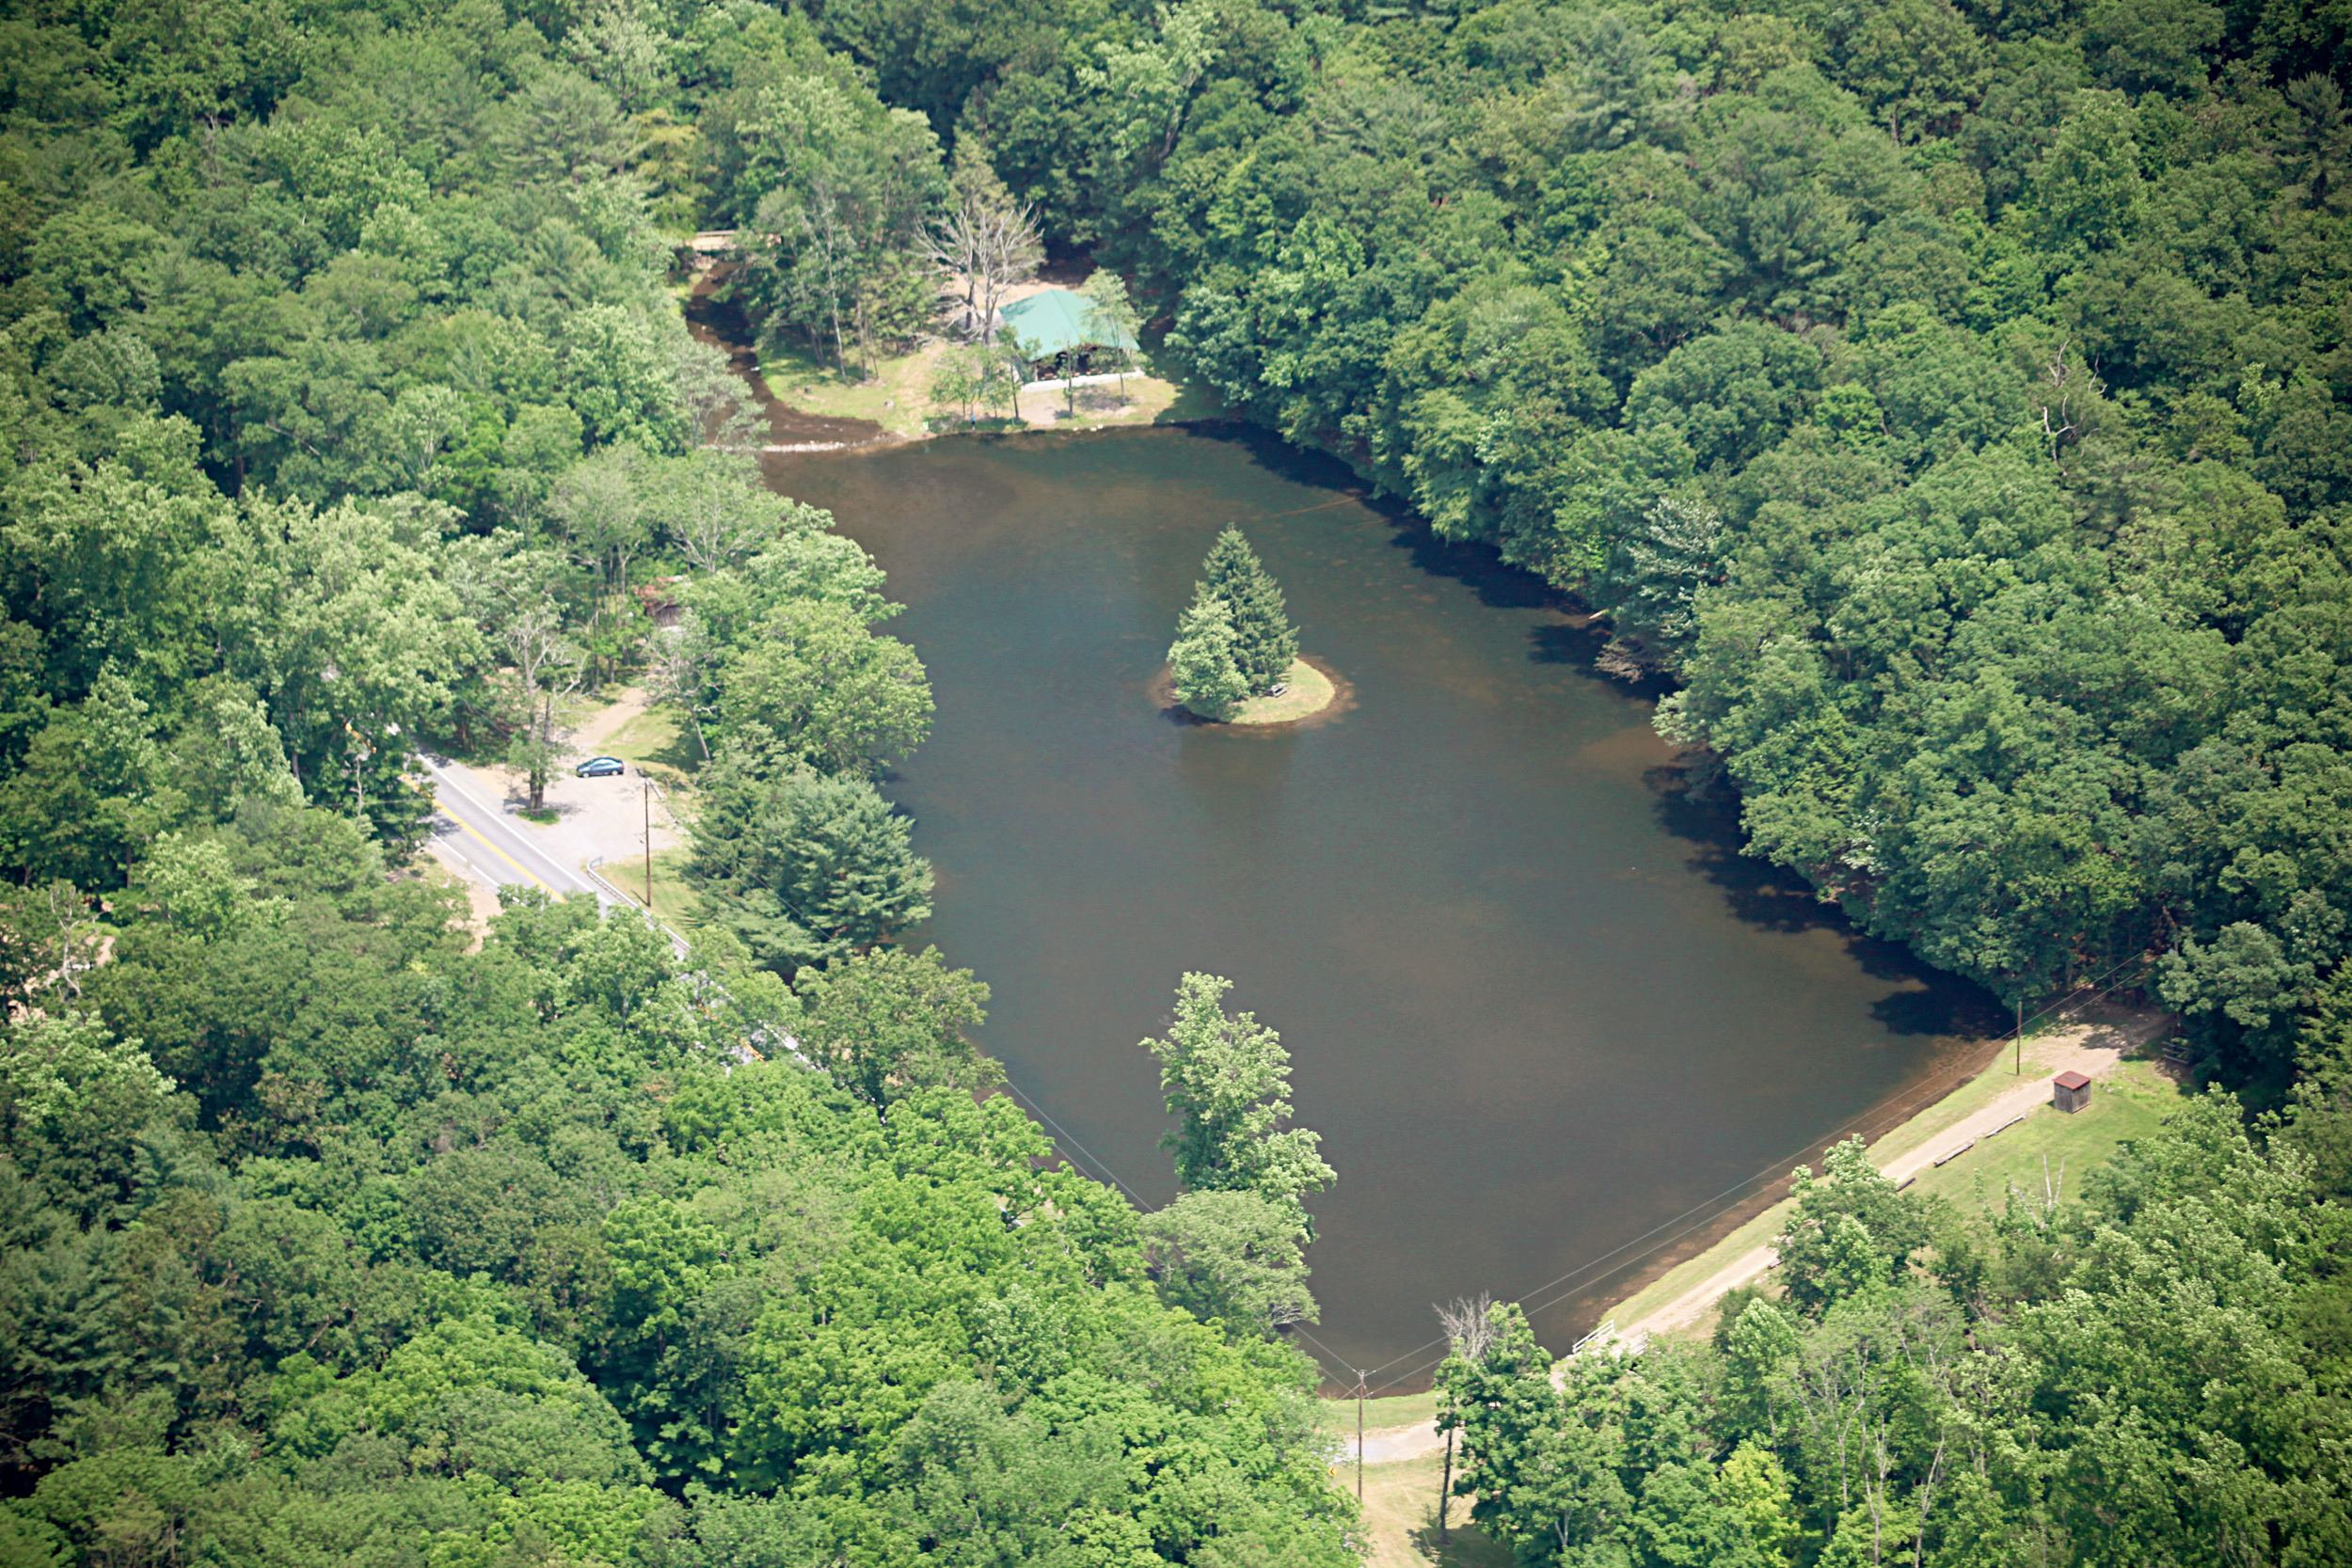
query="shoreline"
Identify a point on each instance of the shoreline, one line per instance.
(811, 408)
(1666, 1285)
(1675, 1300)
(1304, 676)
(1161, 692)
(1992, 1100)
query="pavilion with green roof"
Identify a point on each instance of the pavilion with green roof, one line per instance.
(1054, 326)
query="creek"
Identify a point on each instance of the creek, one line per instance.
(1538, 1003)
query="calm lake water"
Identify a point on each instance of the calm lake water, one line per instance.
(1537, 1003)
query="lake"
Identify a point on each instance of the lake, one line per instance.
(1537, 1004)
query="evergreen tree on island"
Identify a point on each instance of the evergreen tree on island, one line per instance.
(1202, 666)
(1265, 641)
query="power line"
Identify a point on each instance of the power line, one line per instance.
(1096, 1160)
(2073, 999)
(1036, 1110)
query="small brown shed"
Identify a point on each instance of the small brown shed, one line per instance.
(2070, 1091)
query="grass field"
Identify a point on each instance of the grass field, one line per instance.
(1400, 1501)
(673, 900)
(897, 398)
(1310, 690)
(1955, 1180)
(1339, 1415)
(1401, 1519)
(2130, 1102)
(659, 741)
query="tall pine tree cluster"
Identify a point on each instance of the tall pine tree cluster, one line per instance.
(1236, 639)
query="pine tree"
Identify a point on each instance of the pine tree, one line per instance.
(804, 870)
(1207, 679)
(1265, 643)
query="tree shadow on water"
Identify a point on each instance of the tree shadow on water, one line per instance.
(1941, 1005)
(1577, 639)
(1705, 814)
(1575, 643)
(1478, 567)
(1703, 809)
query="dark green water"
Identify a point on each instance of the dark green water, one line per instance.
(1537, 1003)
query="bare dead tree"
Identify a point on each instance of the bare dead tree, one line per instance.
(2054, 398)
(1469, 1324)
(986, 238)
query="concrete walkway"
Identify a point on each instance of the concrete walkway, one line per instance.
(2092, 1050)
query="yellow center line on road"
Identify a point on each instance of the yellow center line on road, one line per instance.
(476, 835)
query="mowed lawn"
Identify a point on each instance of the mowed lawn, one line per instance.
(1401, 1519)
(2129, 1102)
(1400, 1501)
(673, 900)
(1339, 1415)
(659, 743)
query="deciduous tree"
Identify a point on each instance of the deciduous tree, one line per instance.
(1227, 1078)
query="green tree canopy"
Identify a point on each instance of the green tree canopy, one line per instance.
(889, 1022)
(1204, 669)
(804, 870)
(1227, 1078)
(1265, 641)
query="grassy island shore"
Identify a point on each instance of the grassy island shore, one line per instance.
(1306, 690)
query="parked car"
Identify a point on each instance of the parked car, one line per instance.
(601, 768)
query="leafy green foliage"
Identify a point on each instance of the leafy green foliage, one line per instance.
(2162, 1390)
(1879, 375)
(804, 870)
(1232, 1258)
(513, 1247)
(1227, 1078)
(1203, 663)
(815, 683)
(1265, 641)
(1948, 399)
(888, 1022)
(1851, 1230)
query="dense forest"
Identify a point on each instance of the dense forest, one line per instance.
(1946, 404)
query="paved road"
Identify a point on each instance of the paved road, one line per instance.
(479, 833)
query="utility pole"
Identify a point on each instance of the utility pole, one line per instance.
(2017, 1062)
(645, 790)
(1445, 1489)
(1359, 1437)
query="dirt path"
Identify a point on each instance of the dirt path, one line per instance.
(2092, 1049)
(611, 721)
(1393, 1445)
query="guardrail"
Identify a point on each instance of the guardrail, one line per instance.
(678, 942)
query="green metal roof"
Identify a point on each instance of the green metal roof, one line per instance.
(1054, 321)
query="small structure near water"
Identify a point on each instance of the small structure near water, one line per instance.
(2070, 1091)
(1058, 329)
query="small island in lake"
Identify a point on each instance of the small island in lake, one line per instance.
(1235, 658)
(1303, 691)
